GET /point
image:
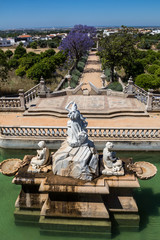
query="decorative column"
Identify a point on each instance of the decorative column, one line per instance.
(42, 90)
(103, 77)
(22, 100)
(68, 77)
(149, 100)
(130, 88)
(97, 44)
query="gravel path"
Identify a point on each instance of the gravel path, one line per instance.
(92, 72)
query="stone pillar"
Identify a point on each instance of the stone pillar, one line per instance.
(22, 100)
(130, 88)
(149, 100)
(103, 77)
(42, 92)
(97, 45)
(68, 77)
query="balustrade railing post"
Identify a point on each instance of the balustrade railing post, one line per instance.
(22, 99)
(149, 100)
(130, 88)
(42, 91)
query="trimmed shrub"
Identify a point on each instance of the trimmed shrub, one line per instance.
(74, 80)
(146, 81)
(76, 72)
(144, 62)
(81, 66)
(107, 72)
(157, 62)
(84, 59)
(151, 69)
(157, 72)
(115, 86)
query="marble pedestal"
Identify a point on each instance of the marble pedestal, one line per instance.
(59, 203)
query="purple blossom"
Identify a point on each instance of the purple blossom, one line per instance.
(78, 41)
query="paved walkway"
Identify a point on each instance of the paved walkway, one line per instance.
(92, 71)
(93, 103)
(17, 119)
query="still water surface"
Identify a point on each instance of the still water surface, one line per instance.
(147, 198)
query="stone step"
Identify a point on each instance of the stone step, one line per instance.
(75, 209)
(89, 114)
(64, 224)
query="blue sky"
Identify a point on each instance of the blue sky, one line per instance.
(50, 13)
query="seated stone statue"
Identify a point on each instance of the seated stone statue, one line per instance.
(112, 165)
(42, 157)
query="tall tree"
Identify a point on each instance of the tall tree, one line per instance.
(116, 49)
(78, 41)
(19, 52)
(3, 66)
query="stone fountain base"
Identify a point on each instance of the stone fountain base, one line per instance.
(58, 203)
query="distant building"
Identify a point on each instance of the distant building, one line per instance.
(107, 32)
(51, 36)
(43, 37)
(143, 31)
(7, 42)
(157, 31)
(24, 37)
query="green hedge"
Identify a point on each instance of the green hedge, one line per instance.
(151, 69)
(76, 72)
(81, 66)
(74, 80)
(115, 86)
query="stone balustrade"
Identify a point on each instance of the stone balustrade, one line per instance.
(156, 102)
(93, 132)
(140, 94)
(10, 102)
(132, 90)
(20, 103)
(151, 100)
(31, 94)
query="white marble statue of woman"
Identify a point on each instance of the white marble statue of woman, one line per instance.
(42, 156)
(76, 126)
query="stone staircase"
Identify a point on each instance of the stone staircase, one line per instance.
(104, 107)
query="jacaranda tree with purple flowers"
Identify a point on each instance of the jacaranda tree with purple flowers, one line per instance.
(78, 41)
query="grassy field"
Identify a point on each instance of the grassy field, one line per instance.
(14, 83)
(38, 50)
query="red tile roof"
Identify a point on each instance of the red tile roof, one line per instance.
(24, 36)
